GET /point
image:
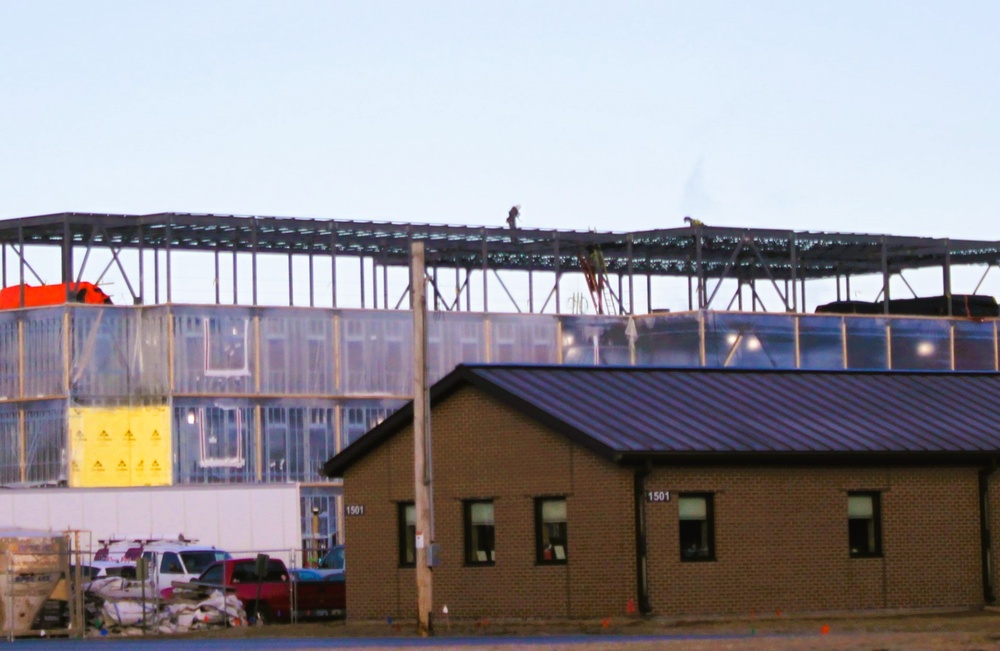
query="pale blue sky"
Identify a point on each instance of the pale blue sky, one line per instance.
(856, 116)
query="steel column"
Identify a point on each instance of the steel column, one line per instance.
(486, 307)
(361, 280)
(156, 275)
(236, 298)
(558, 273)
(218, 289)
(699, 269)
(142, 277)
(170, 236)
(631, 282)
(333, 264)
(20, 266)
(794, 265)
(947, 275)
(885, 277)
(253, 262)
(67, 255)
(437, 293)
(531, 293)
(312, 295)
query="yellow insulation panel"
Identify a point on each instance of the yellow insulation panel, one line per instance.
(119, 446)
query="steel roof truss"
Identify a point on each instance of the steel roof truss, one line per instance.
(507, 291)
(19, 250)
(731, 264)
(114, 257)
(766, 266)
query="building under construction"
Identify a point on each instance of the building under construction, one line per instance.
(247, 351)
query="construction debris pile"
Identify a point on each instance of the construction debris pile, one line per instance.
(119, 606)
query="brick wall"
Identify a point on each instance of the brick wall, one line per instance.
(781, 541)
(780, 533)
(993, 524)
(483, 449)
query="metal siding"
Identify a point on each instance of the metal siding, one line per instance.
(708, 411)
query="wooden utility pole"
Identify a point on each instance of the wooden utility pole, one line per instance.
(421, 442)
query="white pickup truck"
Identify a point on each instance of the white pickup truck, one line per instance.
(168, 560)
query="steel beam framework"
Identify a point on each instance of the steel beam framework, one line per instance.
(707, 256)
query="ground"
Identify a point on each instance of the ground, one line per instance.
(933, 631)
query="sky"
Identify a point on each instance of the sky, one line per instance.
(873, 117)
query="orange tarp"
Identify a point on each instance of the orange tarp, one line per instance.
(10, 297)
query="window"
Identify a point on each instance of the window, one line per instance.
(479, 533)
(357, 420)
(213, 575)
(407, 534)
(226, 347)
(696, 529)
(220, 434)
(171, 564)
(864, 531)
(246, 572)
(197, 561)
(550, 530)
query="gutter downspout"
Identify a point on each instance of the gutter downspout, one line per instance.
(641, 562)
(984, 530)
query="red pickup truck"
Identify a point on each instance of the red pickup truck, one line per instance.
(277, 595)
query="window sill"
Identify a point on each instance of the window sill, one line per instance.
(479, 564)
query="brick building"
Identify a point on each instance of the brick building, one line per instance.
(582, 492)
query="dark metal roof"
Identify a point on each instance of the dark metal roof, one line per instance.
(642, 414)
(723, 251)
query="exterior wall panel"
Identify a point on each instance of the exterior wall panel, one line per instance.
(376, 352)
(120, 446)
(10, 356)
(43, 368)
(526, 339)
(214, 351)
(297, 352)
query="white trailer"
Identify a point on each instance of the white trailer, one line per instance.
(239, 518)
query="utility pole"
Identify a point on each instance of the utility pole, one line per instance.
(422, 469)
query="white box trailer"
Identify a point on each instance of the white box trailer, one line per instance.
(241, 519)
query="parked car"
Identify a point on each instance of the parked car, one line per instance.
(305, 574)
(332, 562)
(272, 597)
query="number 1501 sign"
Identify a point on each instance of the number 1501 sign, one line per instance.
(354, 509)
(657, 496)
